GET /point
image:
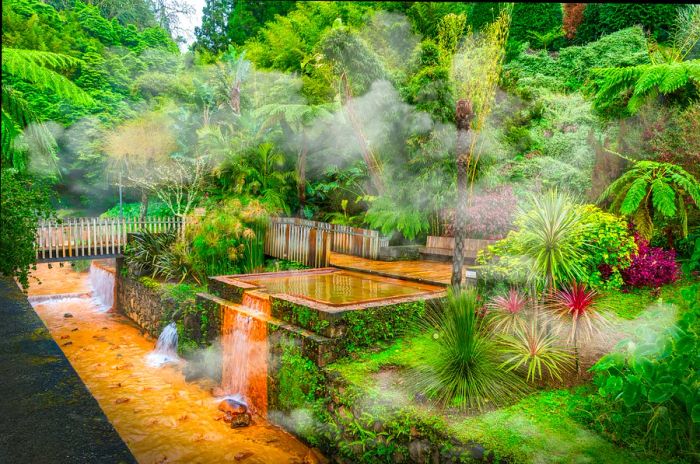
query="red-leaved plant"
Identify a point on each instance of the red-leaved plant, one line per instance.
(575, 307)
(506, 311)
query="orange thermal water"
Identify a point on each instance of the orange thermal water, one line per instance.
(162, 418)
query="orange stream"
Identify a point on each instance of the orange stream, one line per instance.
(162, 418)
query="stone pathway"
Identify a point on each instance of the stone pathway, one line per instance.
(47, 415)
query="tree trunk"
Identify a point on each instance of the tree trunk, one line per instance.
(464, 115)
(301, 165)
(143, 212)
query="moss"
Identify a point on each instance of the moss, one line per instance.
(299, 315)
(299, 379)
(149, 282)
(369, 326)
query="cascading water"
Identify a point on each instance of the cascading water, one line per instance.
(166, 347)
(245, 351)
(102, 284)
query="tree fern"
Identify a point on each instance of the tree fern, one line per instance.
(42, 70)
(663, 198)
(651, 188)
(635, 84)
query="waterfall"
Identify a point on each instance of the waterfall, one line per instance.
(166, 347)
(102, 284)
(245, 352)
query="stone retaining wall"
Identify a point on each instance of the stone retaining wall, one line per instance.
(141, 304)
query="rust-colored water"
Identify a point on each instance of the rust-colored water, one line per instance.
(340, 287)
(244, 349)
(160, 416)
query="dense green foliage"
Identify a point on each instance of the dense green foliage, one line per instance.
(600, 19)
(647, 393)
(24, 202)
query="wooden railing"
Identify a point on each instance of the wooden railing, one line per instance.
(310, 242)
(89, 237)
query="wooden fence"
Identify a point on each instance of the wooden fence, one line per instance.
(75, 238)
(310, 242)
(307, 242)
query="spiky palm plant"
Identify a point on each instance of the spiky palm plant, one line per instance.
(575, 310)
(651, 189)
(506, 313)
(531, 347)
(43, 70)
(465, 369)
(549, 238)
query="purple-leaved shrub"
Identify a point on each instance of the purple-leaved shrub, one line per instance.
(489, 216)
(651, 266)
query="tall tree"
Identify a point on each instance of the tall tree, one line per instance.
(476, 69)
(226, 22)
(136, 149)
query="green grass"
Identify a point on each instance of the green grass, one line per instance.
(537, 429)
(632, 304)
(404, 352)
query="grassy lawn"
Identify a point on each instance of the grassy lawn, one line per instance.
(629, 305)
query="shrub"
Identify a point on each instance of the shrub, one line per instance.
(132, 210)
(228, 239)
(490, 214)
(465, 369)
(651, 266)
(573, 16)
(600, 19)
(573, 65)
(540, 18)
(647, 396)
(506, 313)
(607, 248)
(23, 202)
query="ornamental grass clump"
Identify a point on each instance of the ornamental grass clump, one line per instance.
(465, 371)
(533, 349)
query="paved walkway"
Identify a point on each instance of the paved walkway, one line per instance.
(430, 272)
(47, 415)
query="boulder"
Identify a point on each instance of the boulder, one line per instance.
(232, 406)
(238, 420)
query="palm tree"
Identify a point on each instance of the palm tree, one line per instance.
(652, 189)
(549, 238)
(265, 175)
(475, 73)
(41, 69)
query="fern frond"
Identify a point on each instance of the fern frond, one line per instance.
(663, 198)
(39, 68)
(643, 222)
(636, 193)
(675, 76)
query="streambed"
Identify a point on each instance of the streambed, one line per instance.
(161, 417)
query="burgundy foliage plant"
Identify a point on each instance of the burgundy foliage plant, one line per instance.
(651, 266)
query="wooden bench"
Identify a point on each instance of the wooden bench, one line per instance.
(442, 248)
